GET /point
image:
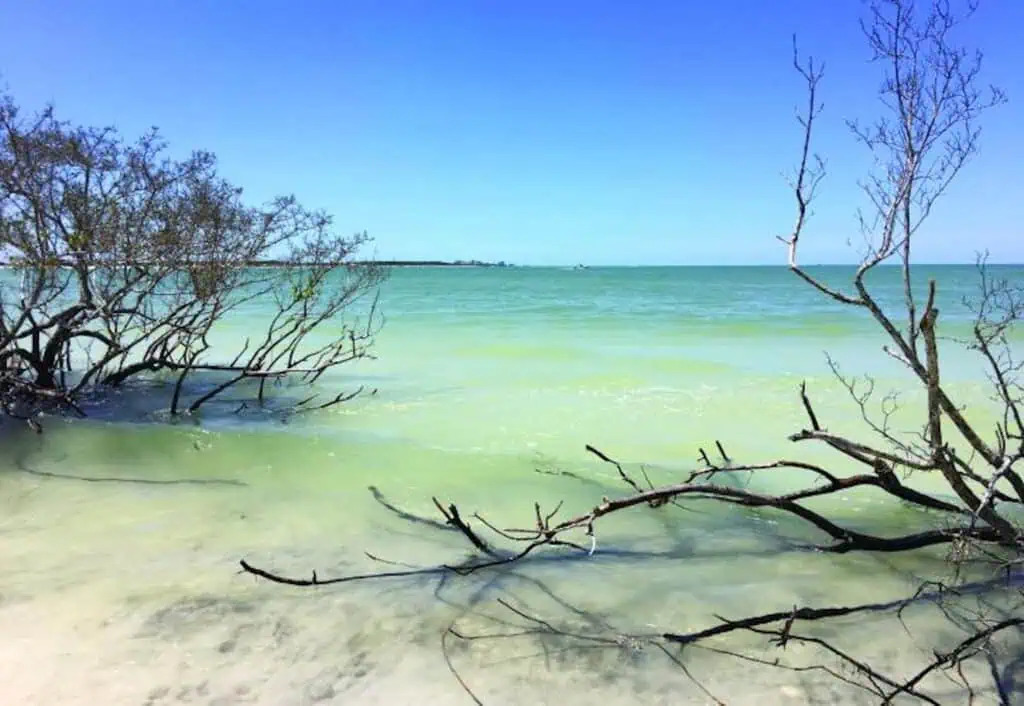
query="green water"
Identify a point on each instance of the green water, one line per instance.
(119, 584)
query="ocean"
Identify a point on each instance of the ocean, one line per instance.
(120, 534)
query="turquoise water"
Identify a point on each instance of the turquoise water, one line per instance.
(119, 584)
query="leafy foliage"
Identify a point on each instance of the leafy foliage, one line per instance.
(128, 259)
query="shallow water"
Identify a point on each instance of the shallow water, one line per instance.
(120, 535)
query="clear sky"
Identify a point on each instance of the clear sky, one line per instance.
(533, 131)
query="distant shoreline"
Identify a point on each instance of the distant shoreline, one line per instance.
(383, 263)
(398, 263)
(434, 263)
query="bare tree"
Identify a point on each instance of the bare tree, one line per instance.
(121, 262)
(927, 134)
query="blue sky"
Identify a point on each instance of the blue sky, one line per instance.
(533, 131)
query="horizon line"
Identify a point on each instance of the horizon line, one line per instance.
(513, 265)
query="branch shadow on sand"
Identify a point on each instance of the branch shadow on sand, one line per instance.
(21, 444)
(518, 616)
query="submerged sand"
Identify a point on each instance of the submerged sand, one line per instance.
(129, 593)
